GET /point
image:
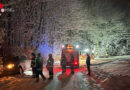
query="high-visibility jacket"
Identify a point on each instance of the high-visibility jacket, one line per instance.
(50, 63)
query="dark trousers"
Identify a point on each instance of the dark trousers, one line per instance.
(72, 69)
(63, 68)
(40, 73)
(34, 71)
(51, 73)
(88, 67)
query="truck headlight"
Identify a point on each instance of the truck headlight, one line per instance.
(10, 66)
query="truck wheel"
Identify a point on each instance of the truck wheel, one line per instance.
(21, 71)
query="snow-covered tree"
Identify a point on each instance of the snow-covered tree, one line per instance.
(43, 25)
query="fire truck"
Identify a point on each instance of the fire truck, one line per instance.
(67, 50)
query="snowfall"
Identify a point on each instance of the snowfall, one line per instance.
(111, 73)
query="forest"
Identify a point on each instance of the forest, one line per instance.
(43, 26)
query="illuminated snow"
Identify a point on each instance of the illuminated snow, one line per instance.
(28, 73)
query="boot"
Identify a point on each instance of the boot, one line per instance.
(51, 77)
(44, 79)
(37, 80)
(72, 72)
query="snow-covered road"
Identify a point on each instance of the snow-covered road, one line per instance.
(78, 81)
(106, 75)
(67, 81)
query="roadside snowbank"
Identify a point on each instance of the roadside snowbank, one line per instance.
(114, 75)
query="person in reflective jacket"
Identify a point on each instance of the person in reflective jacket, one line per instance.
(33, 65)
(49, 66)
(39, 68)
(63, 63)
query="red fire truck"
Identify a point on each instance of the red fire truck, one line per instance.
(70, 49)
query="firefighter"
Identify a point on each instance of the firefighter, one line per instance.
(33, 65)
(88, 64)
(49, 66)
(63, 63)
(72, 63)
(39, 68)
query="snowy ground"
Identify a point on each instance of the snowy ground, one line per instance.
(66, 81)
(107, 74)
(113, 73)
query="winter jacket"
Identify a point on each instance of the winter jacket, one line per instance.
(63, 61)
(39, 64)
(50, 63)
(88, 60)
(72, 59)
(33, 63)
